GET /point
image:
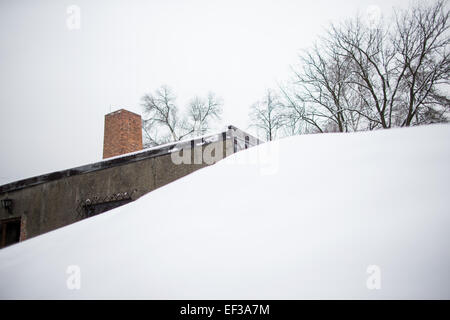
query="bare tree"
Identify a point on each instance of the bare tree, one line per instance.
(319, 96)
(266, 115)
(363, 77)
(201, 112)
(371, 69)
(422, 43)
(320, 89)
(163, 122)
(398, 69)
(298, 116)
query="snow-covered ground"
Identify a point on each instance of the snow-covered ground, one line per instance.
(364, 215)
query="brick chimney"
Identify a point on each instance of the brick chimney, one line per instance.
(123, 133)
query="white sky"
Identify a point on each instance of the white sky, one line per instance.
(57, 84)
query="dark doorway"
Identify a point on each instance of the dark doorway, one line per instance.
(9, 231)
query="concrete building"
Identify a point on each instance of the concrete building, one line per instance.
(43, 203)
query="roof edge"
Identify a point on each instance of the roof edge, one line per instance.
(116, 161)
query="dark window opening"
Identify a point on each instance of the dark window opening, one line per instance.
(97, 208)
(9, 232)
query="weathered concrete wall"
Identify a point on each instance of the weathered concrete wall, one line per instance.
(53, 204)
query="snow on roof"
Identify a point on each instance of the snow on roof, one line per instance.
(166, 145)
(159, 150)
(333, 212)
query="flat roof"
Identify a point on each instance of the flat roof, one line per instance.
(147, 153)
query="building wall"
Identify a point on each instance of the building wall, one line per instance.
(46, 206)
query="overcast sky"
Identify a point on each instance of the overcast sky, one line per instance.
(57, 83)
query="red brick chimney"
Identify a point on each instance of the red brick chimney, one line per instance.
(123, 133)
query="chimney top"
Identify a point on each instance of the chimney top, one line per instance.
(123, 133)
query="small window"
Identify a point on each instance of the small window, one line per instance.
(97, 208)
(9, 231)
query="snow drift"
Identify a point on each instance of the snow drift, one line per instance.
(309, 220)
